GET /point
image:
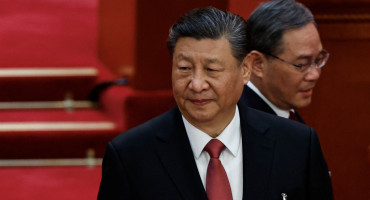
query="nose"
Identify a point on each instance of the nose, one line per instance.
(199, 82)
(313, 74)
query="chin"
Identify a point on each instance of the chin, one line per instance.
(303, 104)
(301, 101)
(201, 117)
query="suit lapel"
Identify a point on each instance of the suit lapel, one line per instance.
(258, 155)
(174, 150)
(251, 99)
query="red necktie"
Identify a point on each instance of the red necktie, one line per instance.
(217, 183)
(293, 116)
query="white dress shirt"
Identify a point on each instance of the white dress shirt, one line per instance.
(231, 158)
(279, 112)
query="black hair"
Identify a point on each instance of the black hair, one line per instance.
(268, 22)
(210, 23)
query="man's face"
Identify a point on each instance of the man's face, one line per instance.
(207, 80)
(282, 83)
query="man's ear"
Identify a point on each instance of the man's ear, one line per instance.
(246, 71)
(257, 61)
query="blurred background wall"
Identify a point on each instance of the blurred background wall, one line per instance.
(127, 39)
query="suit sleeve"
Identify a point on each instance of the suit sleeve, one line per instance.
(114, 183)
(319, 180)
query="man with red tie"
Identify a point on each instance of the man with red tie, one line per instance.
(286, 57)
(209, 146)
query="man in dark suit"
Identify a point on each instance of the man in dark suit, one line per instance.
(209, 146)
(286, 57)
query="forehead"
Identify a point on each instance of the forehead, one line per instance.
(303, 41)
(191, 48)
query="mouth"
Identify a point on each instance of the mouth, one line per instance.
(200, 102)
(307, 93)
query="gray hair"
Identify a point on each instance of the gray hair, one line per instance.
(210, 23)
(267, 24)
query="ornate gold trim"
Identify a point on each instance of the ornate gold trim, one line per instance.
(90, 162)
(55, 126)
(48, 72)
(66, 104)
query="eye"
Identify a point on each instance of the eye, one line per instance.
(211, 69)
(319, 59)
(303, 64)
(303, 67)
(300, 65)
(184, 68)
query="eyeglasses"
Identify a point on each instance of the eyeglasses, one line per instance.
(319, 62)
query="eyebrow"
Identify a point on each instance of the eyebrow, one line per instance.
(309, 56)
(304, 57)
(212, 60)
(207, 60)
(183, 57)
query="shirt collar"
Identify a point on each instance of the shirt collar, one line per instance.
(230, 136)
(279, 112)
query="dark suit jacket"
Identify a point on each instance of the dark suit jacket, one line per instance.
(251, 99)
(155, 161)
